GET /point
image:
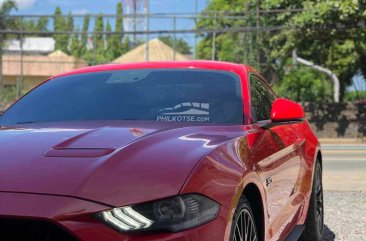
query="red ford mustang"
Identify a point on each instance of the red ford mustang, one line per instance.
(177, 151)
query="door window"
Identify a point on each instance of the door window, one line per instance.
(261, 99)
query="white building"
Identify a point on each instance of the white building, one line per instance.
(31, 46)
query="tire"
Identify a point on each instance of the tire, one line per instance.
(314, 224)
(243, 227)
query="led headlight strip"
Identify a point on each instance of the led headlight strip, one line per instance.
(126, 219)
(171, 214)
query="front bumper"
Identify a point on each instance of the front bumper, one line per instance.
(72, 216)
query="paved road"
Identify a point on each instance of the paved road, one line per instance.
(344, 177)
(344, 167)
(345, 216)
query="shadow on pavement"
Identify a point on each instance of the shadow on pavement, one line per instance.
(328, 234)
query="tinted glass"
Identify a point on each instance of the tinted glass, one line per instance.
(164, 95)
(262, 98)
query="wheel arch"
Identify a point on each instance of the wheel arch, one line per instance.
(254, 197)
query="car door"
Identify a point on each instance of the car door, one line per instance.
(277, 161)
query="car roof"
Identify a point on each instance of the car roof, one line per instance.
(200, 64)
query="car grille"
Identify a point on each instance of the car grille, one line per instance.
(31, 230)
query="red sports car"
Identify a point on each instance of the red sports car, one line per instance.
(175, 151)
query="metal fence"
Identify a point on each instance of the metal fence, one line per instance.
(24, 68)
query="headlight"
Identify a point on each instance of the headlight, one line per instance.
(172, 214)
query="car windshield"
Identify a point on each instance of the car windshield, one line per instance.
(161, 95)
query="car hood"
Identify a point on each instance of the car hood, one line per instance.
(115, 163)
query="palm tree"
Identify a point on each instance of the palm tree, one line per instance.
(5, 24)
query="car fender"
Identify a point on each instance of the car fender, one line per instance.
(222, 176)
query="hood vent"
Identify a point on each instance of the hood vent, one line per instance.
(79, 152)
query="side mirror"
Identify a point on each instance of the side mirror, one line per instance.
(286, 110)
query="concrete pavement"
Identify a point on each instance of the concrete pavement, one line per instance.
(344, 166)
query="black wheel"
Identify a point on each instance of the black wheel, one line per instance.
(314, 224)
(243, 227)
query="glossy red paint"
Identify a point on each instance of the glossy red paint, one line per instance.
(286, 110)
(65, 172)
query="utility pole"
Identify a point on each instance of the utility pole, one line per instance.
(257, 40)
(245, 45)
(21, 77)
(213, 49)
(213, 53)
(147, 6)
(195, 34)
(175, 37)
(95, 47)
(134, 7)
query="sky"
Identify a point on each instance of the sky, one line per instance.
(104, 6)
(47, 7)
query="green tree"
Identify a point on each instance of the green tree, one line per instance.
(328, 33)
(60, 25)
(117, 47)
(31, 25)
(305, 84)
(109, 40)
(99, 27)
(75, 45)
(355, 96)
(34, 26)
(181, 45)
(97, 55)
(126, 44)
(6, 23)
(70, 28)
(84, 35)
(229, 44)
(7, 96)
(70, 22)
(42, 24)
